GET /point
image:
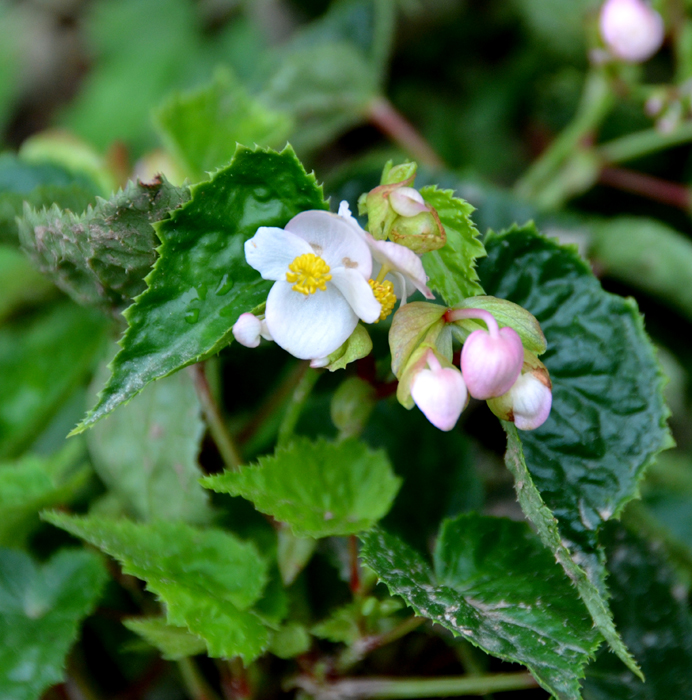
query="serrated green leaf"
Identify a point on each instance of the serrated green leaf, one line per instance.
(201, 282)
(201, 128)
(451, 270)
(496, 586)
(608, 419)
(173, 642)
(40, 611)
(33, 483)
(146, 452)
(650, 607)
(207, 578)
(41, 185)
(43, 359)
(101, 257)
(318, 488)
(548, 528)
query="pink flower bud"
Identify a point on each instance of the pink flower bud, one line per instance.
(491, 362)
(440, 393)
(632, 31)
(248, 329)
(528, 402)
(407, 201)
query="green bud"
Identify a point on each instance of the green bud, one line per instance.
(421, 233)
(352, 405)
(506, 313)
(401, 174)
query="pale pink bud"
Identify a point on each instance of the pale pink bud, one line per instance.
(531, 402)
(248, 329)
(491, 362)
(631, 29)
(407, 201)
(440, 393)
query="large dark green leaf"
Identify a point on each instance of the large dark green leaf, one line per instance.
(101, 257)
(146, 452)
(42, 360)
(40, 611)
(651, 609)
(207, 578)
(201, 282)
(495, 585)
(318, 488)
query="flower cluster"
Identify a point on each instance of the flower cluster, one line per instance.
(328, 274)
(495, 366)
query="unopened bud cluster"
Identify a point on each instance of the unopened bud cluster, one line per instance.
(631, 29)
(496, 364)
(398, 212)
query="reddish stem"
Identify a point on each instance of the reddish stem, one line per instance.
(647, 186)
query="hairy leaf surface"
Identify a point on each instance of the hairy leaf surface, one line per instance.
(318, 488)
(207, 578)
(40, 611)
(495, 585)
(201, 282)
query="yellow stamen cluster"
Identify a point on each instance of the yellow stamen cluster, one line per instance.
(309, 273)
(384, 293)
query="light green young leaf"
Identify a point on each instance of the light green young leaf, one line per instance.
(173, 642)
(317, 488)
(101, 257)
(207, 578)
(451, 270)
(290, 640)
(40, 611)
(146, 452)
(43, 359)
(201, 128)
(608, 416)
(495, 585)
(33, 483)
(651, 609)
(20, 283)
(201, 283)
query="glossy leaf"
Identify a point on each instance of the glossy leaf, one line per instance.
(201, 128)
(173, 642)
(101, 257)
(33, 483)
(317, 488)
(146, 452)
(495, 585)
(207, 578)
(43, 359)
(452, 269)
(201, 282)
(41, 607)
(651, 609)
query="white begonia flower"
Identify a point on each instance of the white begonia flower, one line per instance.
(321, 267)
(402, 268)
(248, 330)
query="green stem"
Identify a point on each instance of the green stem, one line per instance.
(215, 421)
(596, 102)
(296, 405)
(643, 143)
(195, 683)
(349, 688)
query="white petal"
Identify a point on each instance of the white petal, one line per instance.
(271, 250)
(531, 402)
(333, 239)
(401, 259)
(264, 331)
(407, 201)
(358, 293)
(247, 330)
(309, 327)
